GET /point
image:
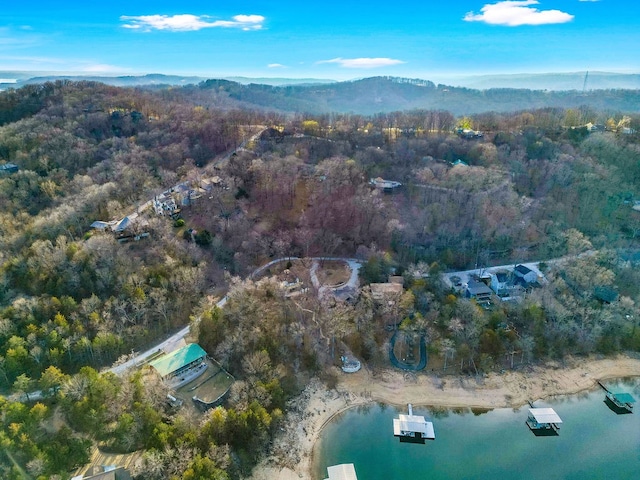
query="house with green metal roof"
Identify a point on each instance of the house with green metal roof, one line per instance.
(181, 366)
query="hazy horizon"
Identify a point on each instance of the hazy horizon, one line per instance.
(338, 41)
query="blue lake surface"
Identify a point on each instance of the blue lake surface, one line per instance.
(593, 442)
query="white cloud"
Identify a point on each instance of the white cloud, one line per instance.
(187, 22)
(363, 62)
(276, 65)
(516, 13)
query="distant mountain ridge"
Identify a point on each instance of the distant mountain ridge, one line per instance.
(17, 79)
(386, 94)
(533, 81)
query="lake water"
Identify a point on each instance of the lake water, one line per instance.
(594, 443)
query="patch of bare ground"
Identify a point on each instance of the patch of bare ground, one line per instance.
(333, 272)
(289, 271)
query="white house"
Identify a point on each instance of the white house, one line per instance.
(525, 273)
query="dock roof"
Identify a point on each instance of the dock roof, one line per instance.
(415, 424)
(624, 397)
(345, 471)
(177, 359)
(545, 415)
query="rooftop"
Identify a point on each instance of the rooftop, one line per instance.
(624, 397)
(502, 276)
(9, 167)
(545, 415)
(413, 423)
(179, 358)
(384, 184)
(345, 471)
(478, 288)
(106, 472)
(522, 269)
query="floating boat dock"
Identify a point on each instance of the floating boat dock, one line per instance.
(623, 401)
(344, 471)
(413, 428)
(619, 402)
(543, 420)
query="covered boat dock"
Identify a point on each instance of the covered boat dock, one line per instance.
(543, 419)
(621, 401)
(344, 471)
(413, 428)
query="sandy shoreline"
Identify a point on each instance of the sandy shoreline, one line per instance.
(292, 456)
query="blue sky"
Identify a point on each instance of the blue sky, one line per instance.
(329, 39)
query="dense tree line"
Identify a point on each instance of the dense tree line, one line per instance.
(538, 185)
(70, 296)
(71, 299)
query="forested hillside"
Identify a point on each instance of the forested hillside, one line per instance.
(539, 184)
(369, 96)
(387, 94)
